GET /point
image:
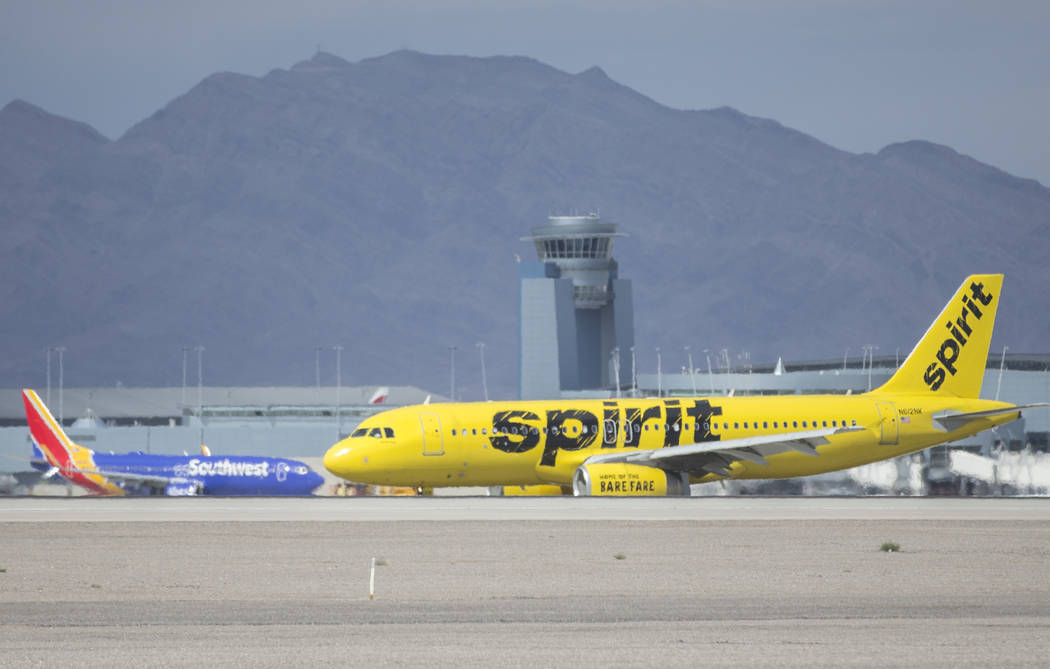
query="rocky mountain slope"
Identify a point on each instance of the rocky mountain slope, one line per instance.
(378, 205)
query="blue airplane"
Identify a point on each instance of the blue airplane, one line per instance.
(139, 473)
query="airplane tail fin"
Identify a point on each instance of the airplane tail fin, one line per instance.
(951, 357)
(49, 440)
(379, 396)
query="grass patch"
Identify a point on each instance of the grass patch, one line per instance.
(890, 547)
(381, 562)
(620, 556)
(3, 570)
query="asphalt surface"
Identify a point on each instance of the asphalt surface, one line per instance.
(551, 582)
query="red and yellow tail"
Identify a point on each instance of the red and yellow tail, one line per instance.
(75, 463)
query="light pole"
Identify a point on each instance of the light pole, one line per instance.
(338, 391)
(451, 373)
(692, 374)
(484, 381)
(898, 357)
(659, 375)
(1002, 363)
(200, 390)
(870, 355)
(844, 357)
(61, 386)
(710, 377)
(317, 368)
(185, 351)
(616, 368)
(863, 361)
(634, 376)
(48, 351)
(725, 355)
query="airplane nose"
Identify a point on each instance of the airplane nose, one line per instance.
(336, 460)
(314, 481)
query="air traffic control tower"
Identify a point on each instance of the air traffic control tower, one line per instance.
(575, 310)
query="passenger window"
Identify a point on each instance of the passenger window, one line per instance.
(774, 425)
(825, 423)
(854, 422)
(803, 423)
(745, 424)
(736, 426)
(794, 423)
(388, 432)
(765, 425)
(453, 432)
(474, 431)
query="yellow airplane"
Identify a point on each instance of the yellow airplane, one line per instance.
(658, 446)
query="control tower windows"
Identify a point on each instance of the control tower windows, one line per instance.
(581, 247)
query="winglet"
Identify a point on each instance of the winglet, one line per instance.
(951, 357)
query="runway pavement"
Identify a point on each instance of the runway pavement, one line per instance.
(515, 582)
(381, 509)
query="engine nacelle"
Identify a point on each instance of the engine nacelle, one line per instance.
(189, 488)
(538, 490)
(624, 480)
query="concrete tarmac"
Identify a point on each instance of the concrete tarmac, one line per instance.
(534, 582)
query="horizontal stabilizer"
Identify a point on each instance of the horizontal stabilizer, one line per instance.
(950, 420)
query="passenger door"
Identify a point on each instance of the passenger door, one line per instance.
(433, 443)
(890, 423)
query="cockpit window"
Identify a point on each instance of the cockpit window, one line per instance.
(359, 432)
(301, 470)
(376, 433)
(388, 432)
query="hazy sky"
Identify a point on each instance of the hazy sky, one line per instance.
(856, 74)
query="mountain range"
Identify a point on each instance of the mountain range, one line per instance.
(379, 206)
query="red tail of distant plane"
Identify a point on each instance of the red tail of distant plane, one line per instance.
(68, 458)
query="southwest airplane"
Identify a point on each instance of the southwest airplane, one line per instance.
(658, 446)
(140, 473)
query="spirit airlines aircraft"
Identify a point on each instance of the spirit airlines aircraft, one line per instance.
(658, 446)
(140, 473)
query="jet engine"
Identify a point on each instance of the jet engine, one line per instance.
(619, 479)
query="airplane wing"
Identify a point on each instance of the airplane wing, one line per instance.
(951, 420)
(715, 457)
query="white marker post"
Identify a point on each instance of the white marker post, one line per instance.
(372, 581)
